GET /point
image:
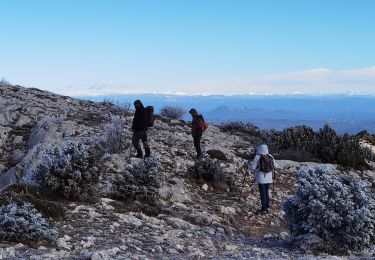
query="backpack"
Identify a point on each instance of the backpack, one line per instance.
(266, 163)
(150, 116)
(202, 124)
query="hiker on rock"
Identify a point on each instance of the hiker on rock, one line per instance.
(198, 126)
(140, 127)
(263, 165)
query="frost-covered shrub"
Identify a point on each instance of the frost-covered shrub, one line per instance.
(330, 213)
(142, 182)
(69, 170)
(173, 112)
(113, 140)
(210, 171)
(23, 223)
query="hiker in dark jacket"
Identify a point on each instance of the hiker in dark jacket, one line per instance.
(196, 131)
(140, 127)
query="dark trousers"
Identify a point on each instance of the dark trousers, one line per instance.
(197, 143)
(264, 196)
(137, 136)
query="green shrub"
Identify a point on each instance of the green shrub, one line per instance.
(210, 171)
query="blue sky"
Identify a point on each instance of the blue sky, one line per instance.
(211, 46)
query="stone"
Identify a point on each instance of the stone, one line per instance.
(228, 210)
(230, 247)
(217, 154)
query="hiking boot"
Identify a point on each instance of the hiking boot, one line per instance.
(147, 152)
(139, 153)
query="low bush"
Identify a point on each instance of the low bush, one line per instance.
(117, 107)
(113, 139)
(69, 170)
(298, 137)
(142, 182)
(365, 136)
(242, 127)
(23, 223)
(324, 145)
(330, 213)
(172, 112)
(210, 171)
(20, 193)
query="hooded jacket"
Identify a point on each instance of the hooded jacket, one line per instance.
(140, 119)
(261, 177)
(196, 127)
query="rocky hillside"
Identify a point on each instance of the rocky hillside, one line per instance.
(188, 219)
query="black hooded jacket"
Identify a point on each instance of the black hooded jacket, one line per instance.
(140, 119)
(196, 127)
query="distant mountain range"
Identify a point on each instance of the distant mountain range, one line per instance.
(346, 113)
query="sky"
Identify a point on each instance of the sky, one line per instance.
(92, 47)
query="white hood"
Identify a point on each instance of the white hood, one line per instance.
(262, 149)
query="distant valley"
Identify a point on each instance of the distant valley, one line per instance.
(345, 113)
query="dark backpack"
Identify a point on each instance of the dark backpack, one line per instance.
(150, 116)
(202, 124)
(266, 163)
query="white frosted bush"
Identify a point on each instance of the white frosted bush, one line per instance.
(113, 140)
(23, 223)
(331, 213)
(68, 169)
(173, 112)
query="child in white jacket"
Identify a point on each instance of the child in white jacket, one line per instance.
(263, 179)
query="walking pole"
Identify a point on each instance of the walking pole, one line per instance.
(243, 183)
(273, 184)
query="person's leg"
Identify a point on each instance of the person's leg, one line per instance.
(262, 190)
(267, 195)
(197, 144)
(145, 144)
(135, 141)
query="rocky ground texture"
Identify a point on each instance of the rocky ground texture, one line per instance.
(190, 220)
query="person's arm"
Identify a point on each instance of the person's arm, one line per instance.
(254, 164)
(134, 122)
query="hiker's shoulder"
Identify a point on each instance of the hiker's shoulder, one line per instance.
(257, 157)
